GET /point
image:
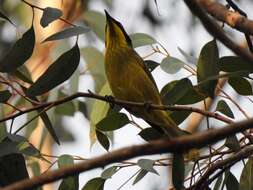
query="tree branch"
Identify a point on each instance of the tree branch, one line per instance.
(122, 103)
(214, 29)
(155, 147)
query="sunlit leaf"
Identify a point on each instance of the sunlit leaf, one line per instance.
(240, 85)
(141, 39)
(147, 164)
(57, 73)
(246, 179)
(208, 66)
(96, 21)
(223, 107)
(113, 122)
(19, 53)
(67, 33)
(49, 15)
(103, 140)
(171, 65)
(178, 171)
(95, 184)
(140, 176)
(109, 172)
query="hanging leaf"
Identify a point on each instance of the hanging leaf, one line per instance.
(171, 65)
(150, 133)
(151, 65)
(234, 64)
(95, 184)
(223, 107)
(6, 18)
(23, 74)
(67, 33)
(109, 172)
(66, 109)
(178, 171)
(56, 73)
(19, 53)
(140, 176)
(49, 15)
(148, 165)
(179, 116)
(208, 66)
(231, 181)
(189, 58)
(103, 140)
(5, 96)
(96, 21)
(141, 39)
(246, 179)
(68, 183)
(113, 122)
(240, 85)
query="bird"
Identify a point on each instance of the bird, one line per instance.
(130, 79)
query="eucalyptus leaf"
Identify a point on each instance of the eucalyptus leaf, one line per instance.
(171, 65)
(67, 33)
(240, 85)
(150, 133)
(19, 53)
(207, 67)
(103, 140)
(223, 107)
(57, 73)
(141, 39)
(246, 179)
(95, 184)
(232, 143)
(113, 122)
(178, 171)
(231, 181)
(234, 64)
(140, 176)
(96, 21)
(109, 172)
(49, 15)
(5, 95)
(148, 165)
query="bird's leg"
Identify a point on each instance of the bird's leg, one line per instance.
(110, 99)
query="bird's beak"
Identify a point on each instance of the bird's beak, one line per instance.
(108, 17)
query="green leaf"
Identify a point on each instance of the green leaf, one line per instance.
(150, 133)
(23, 74)
(96, 21)
(189, 58)
(56, 73)
(141, 39)
(95, 184)
(67, 33)
(175, 90)
(113, 122)
(140, 176)
(148, 165)
(234, 64)
(171, 65)
(49, 15)
(98, 112)
(67, 109)
(103, 140)
(5, 96)
(19, 53)
(240, 85)
(208, 67)
(151, 65)
(232, 143)
(109, 172)
(230, 181)
(6, 18)
(95, 64)
(179, 116)
(218, 183)
(246, 179)
(223, 107)
(68, 183)
(178, 171)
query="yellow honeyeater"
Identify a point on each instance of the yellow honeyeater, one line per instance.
(130, 80)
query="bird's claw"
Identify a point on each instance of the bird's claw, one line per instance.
(110, 99)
